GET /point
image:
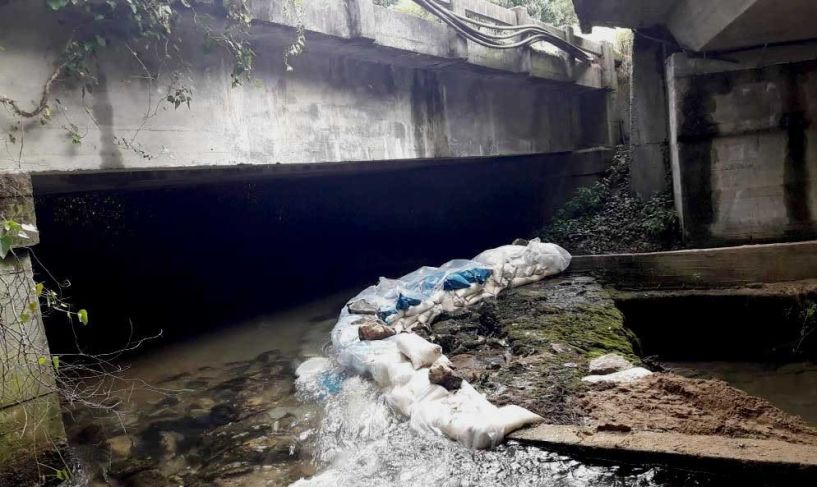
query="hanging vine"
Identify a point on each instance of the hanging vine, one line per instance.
(100, 24)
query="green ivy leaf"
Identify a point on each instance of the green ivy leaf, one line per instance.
(83, 316)
(5, 246)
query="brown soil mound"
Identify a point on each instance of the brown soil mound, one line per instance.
(670, 403)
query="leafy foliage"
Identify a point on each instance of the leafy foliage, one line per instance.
(151, 21)
(607, 218)
(555, 12)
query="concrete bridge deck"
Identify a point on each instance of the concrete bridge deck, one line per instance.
(373, 85)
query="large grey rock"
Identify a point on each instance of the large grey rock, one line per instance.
(609, 364)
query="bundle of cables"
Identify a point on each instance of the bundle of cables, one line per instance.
(517, 36)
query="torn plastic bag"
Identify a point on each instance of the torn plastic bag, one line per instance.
(360, 356)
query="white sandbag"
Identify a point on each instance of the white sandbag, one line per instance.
(416, 390)
(381, 369)
(471, 419)
(400, 399)
(514, 417)
(360, 356)
(475, 430)
(420, 308)
(400, 373)
(419, 351)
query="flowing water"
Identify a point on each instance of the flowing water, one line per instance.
(224, 411)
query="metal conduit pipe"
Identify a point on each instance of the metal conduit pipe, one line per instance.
(528, 34)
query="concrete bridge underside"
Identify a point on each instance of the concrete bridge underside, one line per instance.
(373, 85)
(375, 90)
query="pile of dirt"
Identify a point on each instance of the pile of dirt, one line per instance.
(670, 403)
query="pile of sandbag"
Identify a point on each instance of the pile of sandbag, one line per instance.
(373, 337)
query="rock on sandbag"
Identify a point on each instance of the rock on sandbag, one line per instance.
(418, 350)
(372, 328)
(443, 374)
(362, 307)
(609, 364)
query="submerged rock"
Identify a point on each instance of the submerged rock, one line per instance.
(609, 364)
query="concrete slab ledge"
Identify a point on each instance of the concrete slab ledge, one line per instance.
(713, 453)
(703, 268)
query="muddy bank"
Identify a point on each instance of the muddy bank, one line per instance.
(532, 346)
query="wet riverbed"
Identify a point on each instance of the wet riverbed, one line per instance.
(223, 410)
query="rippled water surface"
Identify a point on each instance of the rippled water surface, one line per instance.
(229, 414)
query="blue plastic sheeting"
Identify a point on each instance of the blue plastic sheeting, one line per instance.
(331, 382)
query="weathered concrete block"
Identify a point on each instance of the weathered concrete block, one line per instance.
(25, 361)
(27, 430)
(17, 204)
(743, 151)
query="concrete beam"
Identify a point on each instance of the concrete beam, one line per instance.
(770, 457)
(703, 268)
(374, 85)
(697, 23)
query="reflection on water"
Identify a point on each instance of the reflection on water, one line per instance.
(229, 415)
(791, 387)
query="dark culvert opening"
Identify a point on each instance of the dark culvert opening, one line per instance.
(762, 343)
(724, 327)
(190, 259)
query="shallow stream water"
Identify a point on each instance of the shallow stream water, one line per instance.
(224, 411)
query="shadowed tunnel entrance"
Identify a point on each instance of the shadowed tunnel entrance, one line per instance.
(188, 258)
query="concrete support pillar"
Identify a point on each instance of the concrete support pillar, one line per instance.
(649, 118)
(30, 419)
(361, 19)
(522, 18)
(742, 145)
(457, 44)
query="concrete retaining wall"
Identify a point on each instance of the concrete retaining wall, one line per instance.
(30, 417)
(744, 146)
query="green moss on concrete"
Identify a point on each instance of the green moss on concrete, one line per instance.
(532, 346)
